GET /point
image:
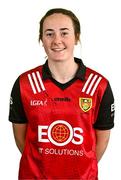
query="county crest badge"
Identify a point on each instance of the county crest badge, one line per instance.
(85, 104)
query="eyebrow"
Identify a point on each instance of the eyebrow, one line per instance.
(62, 29)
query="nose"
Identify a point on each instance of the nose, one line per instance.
(57, 39)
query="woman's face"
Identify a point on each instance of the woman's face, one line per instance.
(58, 37)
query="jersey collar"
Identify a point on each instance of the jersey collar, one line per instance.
(46, 74)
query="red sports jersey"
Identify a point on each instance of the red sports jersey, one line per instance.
(60, 140)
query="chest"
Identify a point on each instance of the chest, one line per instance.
(70, 104)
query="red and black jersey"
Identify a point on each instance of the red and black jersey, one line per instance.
(61, 118)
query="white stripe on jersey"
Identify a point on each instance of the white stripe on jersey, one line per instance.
(36, 82)
(93, 80)
(32, 84)
(40, 80)
(87, 82)
(95, 86)
(91, 84)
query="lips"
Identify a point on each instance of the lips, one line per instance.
(58, 49)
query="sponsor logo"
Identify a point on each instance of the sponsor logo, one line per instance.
(38, 102)
(66, 99)
(60, 133)
(112, 107)
(11, 100)
(85, 104)
(61, 152)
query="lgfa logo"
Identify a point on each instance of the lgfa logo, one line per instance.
(60, 133)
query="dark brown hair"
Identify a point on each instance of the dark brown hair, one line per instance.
(66, 12)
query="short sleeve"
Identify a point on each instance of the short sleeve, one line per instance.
(105, 118)
(16, 110)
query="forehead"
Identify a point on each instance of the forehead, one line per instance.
(57, 20)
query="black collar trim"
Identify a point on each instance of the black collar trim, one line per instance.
(46, 74)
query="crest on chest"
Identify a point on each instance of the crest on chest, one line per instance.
(85, 104)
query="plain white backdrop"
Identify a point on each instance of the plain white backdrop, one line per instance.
(20, 51)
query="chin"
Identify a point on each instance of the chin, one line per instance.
(56, 58)
(59, 58)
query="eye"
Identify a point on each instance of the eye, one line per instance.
(64, 34)
(49, 34)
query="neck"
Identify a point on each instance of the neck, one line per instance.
(63, 71)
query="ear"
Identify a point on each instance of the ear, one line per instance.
(76, 42)
(77, 38)
(41, 43)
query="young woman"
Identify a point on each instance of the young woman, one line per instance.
(62, 111)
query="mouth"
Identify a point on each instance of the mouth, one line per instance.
(58, 49)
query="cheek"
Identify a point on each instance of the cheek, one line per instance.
(46, 44)
(71, 43)
(72, 40)
(46, 49)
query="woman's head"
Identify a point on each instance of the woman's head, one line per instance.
(71, 15)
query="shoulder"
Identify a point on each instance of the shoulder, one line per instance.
(95, 76)
(92, 72)
(30, 75)
(32, 71)
(31, 81)
(94, 81)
